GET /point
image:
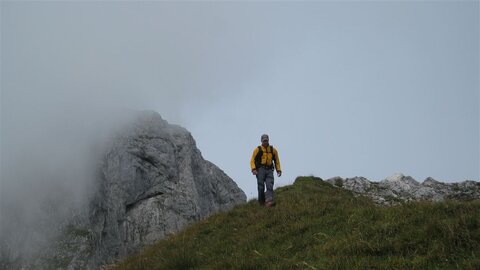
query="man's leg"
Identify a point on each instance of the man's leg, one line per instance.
(269, 183)
(261, 185)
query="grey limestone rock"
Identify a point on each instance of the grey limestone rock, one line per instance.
(151, 182)
(400, 188)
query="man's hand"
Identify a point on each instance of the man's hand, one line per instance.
(279, 173)
(254, 172)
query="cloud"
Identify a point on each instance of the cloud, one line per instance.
(355, 89)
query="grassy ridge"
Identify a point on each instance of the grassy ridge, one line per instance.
(318, 226)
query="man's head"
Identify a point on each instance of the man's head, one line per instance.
(264, 139)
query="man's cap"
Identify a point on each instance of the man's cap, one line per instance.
(264, 137)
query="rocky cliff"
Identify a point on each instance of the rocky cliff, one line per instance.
(151, 182)
(400, 188)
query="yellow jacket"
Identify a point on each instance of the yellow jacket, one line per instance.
(266, 158)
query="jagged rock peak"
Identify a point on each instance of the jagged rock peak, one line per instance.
(401, 178)
(430, 182)
(400, 188)
(151, 182)
(146, 123)
(358, 184)
(400, 183)
(395, 177)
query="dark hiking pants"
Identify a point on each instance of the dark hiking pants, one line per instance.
(265, 179)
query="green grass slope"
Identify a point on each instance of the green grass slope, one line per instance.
(318, 226)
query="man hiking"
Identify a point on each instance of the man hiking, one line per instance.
(262, 165)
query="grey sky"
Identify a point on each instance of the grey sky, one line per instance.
(348, 89)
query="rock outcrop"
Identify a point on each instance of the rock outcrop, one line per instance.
(151, 182)
(400, 188)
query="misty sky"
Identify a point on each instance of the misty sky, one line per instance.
(343, 89)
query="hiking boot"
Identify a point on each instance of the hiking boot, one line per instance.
(270, 204)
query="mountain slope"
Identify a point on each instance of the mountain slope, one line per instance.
(148, 179)
(318, 226)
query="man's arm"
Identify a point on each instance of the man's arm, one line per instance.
(277, 163)
(252, 161)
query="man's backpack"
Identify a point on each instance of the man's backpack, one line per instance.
(258, 157)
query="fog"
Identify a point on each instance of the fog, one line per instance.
(347, 89)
